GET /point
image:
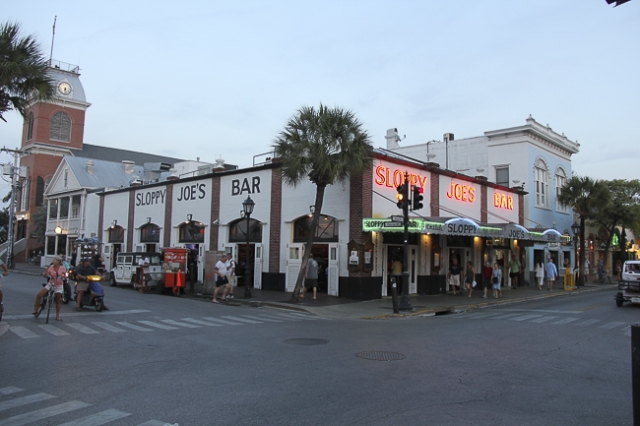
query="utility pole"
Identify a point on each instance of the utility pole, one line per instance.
(405, 300)
(12, 205)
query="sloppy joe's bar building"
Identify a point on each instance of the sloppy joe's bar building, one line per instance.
(355, 241)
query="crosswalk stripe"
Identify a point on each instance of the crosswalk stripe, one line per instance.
(133, 326)
(304, 316)
(505, 316)
(98, 418)
(483, 315)
(248, 321)
(23, 332)
(613, 324)
(587, 323)
(82, 328)
(525, 317)
(156, 325)
(221, 321)
(108, 327)
(180, 324)
(544, 319)
(262, 318)
(53, 330)
(155, 423)
(285, 316)
(9, 390)
(627, 331)
(293, 317)
(565, 321)
(34, 416)
(25, 400)
(195, 321)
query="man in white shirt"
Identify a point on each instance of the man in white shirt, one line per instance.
(142, 263)
(223, 269)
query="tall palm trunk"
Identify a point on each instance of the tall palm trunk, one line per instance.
(582, 253)
(309, 244)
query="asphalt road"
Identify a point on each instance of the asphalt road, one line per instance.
(157, 360)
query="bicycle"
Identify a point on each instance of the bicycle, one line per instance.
(46, 302)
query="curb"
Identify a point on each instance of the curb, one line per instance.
(424, 312)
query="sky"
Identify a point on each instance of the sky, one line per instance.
(219, 79)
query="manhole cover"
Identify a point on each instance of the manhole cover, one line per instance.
(381, 355)
(306, 342)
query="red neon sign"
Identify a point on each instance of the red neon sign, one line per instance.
(462, 192)
(503, 201)
(392, 178)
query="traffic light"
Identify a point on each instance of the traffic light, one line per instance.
(402, 196)
(417, 197)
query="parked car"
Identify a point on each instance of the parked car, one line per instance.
(630, 283)
(127, 265)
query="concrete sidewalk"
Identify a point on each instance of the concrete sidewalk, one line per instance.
(343, 308)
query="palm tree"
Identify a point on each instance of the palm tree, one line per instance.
(325, 145)
(586, 196)
(23, 71)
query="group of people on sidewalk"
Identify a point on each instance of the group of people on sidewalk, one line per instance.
(492, 276)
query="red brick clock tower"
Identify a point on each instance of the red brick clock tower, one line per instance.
(52, 129)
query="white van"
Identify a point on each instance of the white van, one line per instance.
(127, 264)
(630, 283)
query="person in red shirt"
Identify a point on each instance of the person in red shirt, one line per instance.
(487, 272)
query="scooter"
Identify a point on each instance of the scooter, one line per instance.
(66, 289)
(95, 295)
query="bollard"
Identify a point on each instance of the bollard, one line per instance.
(394, 296)
(635, 372)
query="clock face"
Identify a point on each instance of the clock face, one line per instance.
(64, 88)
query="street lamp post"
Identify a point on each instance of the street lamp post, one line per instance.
(247, 208)
(575, 228)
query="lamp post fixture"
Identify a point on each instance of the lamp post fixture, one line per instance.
(247, 209)
(575, 228)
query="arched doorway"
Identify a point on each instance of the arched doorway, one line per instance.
(238, 233)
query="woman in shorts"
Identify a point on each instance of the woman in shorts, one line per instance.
(55, 272)
(496, 279)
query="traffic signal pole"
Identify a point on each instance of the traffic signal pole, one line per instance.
(405, 300)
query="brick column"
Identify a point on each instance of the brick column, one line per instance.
(130, 222)
(434, 199)
(168, 208)
(360, 206)
(215, 212)
(483, 204)
(521, 209)
(275, 220)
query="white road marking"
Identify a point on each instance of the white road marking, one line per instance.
(82, 328)
(133, 326)
(544, 319)
(544, 311)
(180, 324)
(613, 324)
(108, 327)
(23, 332)
(53, 330)
(220, 321)
(525, 317)
(195, 321)
(565, 321)
(587, 323)
(9, 390)
(262, 318)
(24, 400)
(504, 316)
(98, 418)
(248, 321)
(156, 325)
(34, 416)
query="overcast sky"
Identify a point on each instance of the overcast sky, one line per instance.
(219, 79)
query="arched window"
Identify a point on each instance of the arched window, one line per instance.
(60, 127)
(30, 127)
(191, 232)
(561, 179)
(238, 231)
(326, 231)
(150, 233)
(541, 180)
(39, 191)
(115, 234)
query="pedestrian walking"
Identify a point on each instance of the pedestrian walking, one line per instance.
(469, 278)
(487, 273)
(514, 270)
(222, 279)
(539, 275)
(552, 273)
(587, 266)
(454, 275)
(311, 277)
(619, 270)
(496, 279)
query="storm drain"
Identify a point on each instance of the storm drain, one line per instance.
(381, 355)
(306, 341)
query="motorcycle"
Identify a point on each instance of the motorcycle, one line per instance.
(66, 289)
(95, 295)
